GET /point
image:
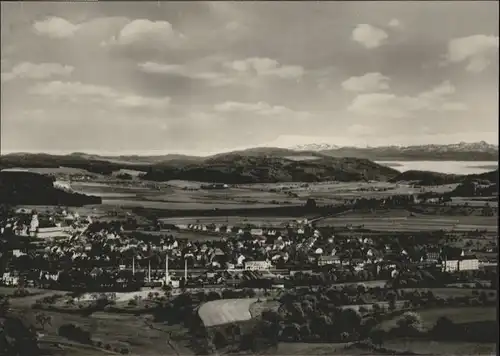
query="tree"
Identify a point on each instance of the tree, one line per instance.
(4, 305)
(17, 339)
(311, 203)
(377, 337)
(444, 327)
(43, 319)
(219, 340)
(410, 323)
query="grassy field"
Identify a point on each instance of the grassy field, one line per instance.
(136, 333)
(267, 221)
(456, 314)
(429, 347)
(401, 220)
(173, 196)
(225, 311)
(117, 330)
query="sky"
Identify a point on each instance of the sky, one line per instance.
(206, 77)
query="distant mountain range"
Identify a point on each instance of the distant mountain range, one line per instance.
(263, 164)
(476, 151)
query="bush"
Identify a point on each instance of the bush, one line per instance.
(75, 333)
(124, 351)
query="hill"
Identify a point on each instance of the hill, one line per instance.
(29, 188)
(435, 178)
(239, 168)
(477, 151)
(259, 165)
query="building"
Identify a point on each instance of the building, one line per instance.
(48, 232)
(467, 263)
(256, 232)
(258, 265)
(328, 260)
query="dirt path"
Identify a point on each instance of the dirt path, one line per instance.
(168, 335)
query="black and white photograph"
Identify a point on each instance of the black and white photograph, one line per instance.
(249, 178)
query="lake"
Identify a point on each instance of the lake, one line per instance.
(453, 167)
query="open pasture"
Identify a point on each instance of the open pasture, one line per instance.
(456, 314)
(119, 331)
(126, 203)
(175, 197)
(264, 221)
(401, 220)
(475, 202)
(430, 347)
(225, 311)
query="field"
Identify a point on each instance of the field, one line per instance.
(401, 220)
(225, 311)
(175, 196)
(456, 314)
(429, 347)
(267, 221)
(136, 333)
(188, 195)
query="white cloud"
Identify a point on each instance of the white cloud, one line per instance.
(55, 27)
(77, 92)
(265, 67)
(191, 71)
(474, 50)
(160, 33)
(393, 106)
(241, 72)
(394, 23)
(369, 36)
(261, 108)
(27, 70)
(368, 82)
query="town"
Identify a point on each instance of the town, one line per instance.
(235, 178)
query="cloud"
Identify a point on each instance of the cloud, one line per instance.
(27, 70)
(474, 50)
(369, 36)
(394, 23)
(265, 67)
(239, 72)
(140, 31)
(395, 107)
(55, 27)
(366, 83)
(260, 108)
(77, 92)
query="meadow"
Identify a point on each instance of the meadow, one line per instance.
(402, 220)
(225, 311)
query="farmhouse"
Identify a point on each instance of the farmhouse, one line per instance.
(48, 232)
(328, 260)
(257, 265)
(464, 263)
(256, 232)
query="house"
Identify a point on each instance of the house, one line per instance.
(48, 232)
(10, 279)
(256, 232)
(258, 265)
(465, 263)
(328, 260)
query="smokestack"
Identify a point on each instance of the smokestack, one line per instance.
(185, 269)
(166, 270)
(149, 271)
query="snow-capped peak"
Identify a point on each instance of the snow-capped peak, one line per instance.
(315, 147)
